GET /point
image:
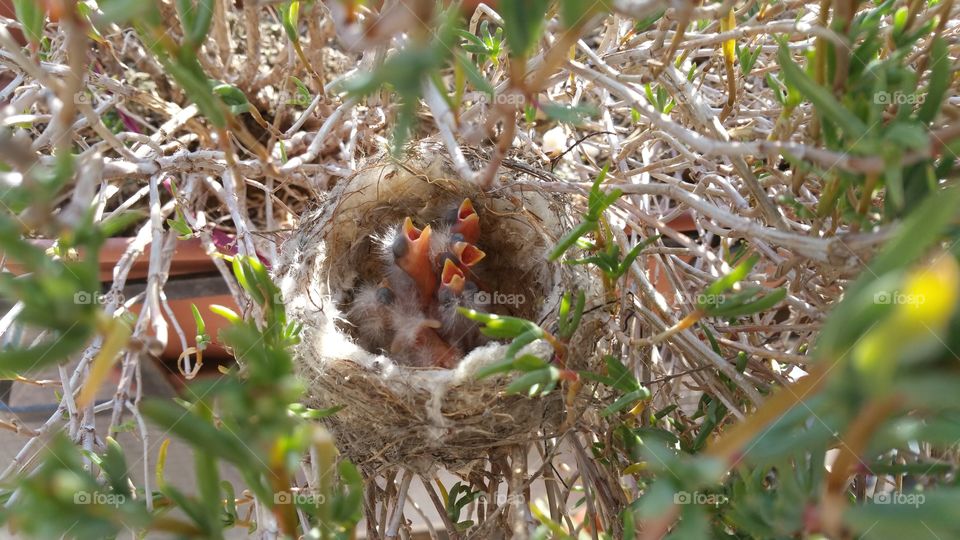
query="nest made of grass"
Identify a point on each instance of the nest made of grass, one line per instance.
(424, 417)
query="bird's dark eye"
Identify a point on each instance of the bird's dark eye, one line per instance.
(451, 216)
(385, 296)
(445, 296)
(399, 247)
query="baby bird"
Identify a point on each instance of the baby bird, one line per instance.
(446, 244)
(371, 313)
(396, 324)
(409, 250)
(467, 255)
(411, 314)
(464, 220)
(416, 341)
(455, 292)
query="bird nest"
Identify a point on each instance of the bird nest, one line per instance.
(422, 417)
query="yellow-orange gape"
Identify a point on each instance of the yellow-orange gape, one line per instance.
(411, 313)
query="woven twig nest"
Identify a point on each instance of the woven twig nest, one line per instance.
(420, 418)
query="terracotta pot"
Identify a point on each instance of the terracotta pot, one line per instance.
(193, 279)
(682, 224)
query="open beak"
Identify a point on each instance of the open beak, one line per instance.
(467, 222)
(452, 277)
(468, 254)
(412, 250)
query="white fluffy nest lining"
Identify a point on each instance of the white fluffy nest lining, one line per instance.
(424, 417)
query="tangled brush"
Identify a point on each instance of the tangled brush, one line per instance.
(398, 407)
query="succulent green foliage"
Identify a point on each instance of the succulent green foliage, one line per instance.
(252, 418)
(405, 72)
(881, 111)
(570, 114)
(622, 380)
(523, 24)
(538, 376)
(487, 46)
(521, 331)
(658, 96)
(460, 496)
(717, 300)
(62, 496)
(578, 12)
(609, 262)
(747, 58)
(915, 237)
(567, 321)
(597, 203)
(59, 289)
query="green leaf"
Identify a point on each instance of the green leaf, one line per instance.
(577, 12)
(522, 341)
(226, 313)
(114, 466)
(939, 81)
(529, 362)
(473, 74)
(198, 319)
(180, 225)
(31, 14)
(727, 282)
(233, 97)
(471, 38)
(503, 366)
(568, 324)
(54, 350)
(195, 20)
(197, 432)
(824, 102)
(569, 239)
(738, 310)
(914, 236)
(533, 382)
(291, 17)
(570, 114)
(523, 23)
(123, 11)
(625, 401)
(893, 176)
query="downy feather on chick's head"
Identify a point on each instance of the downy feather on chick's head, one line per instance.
(395, 248)
(370, 312)
(455, 292)
(407, 248)
(416, 341)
